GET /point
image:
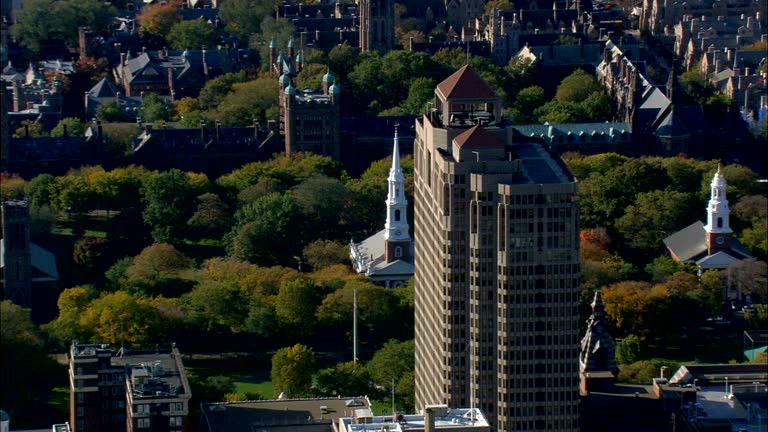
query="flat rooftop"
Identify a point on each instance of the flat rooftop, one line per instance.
(454, 418)
(539, 167)
(300, 415)
(152, 375)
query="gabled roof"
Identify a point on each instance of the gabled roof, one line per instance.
(671, 126)
(465, 83)
(103, 89)
(42, 260)
(718, 260)
(689, 243)
(479, 138)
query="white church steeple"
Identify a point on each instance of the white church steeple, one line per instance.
(718, 229)
(396, 227)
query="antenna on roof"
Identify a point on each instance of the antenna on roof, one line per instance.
(467, 52)
(354, 325)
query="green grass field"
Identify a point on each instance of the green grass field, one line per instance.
(264, 388)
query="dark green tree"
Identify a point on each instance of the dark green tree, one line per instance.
(154, 108)
(343, 380)
(193, 35)
(392, 361)
(74, 127)
(292, 370)
(168, 199)
(628, 350)
(243, 17)
(323, 253)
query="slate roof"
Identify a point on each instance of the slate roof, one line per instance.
(102, 89)
(716, 260)
(42, 260)
(539, 167)
(11, 74)
(690, 245)
(465, 83)
(479, 138)
(671, 126)
(598, 338)
(371, 252)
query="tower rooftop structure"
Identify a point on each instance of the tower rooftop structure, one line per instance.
(496, 283)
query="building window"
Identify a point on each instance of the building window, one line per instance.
(142, 423)
(177, 407)
(719, 222)
(397, 215)
(398, 252)
(175, 421)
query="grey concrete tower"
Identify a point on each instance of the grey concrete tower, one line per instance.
(17, 259)
(497, 266)
(377, 25)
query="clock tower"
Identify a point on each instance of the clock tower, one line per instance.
(717, 227)
(397, 240)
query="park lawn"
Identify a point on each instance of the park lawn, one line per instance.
(264, 388)
(68, 232)
(381, 407)
(59, 402)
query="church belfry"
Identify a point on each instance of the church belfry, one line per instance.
(377, 25)
(718, 229)
(397, 240)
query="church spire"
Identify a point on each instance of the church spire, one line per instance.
(396, 227)
(396, 237)
(718, 229)
(598, 349)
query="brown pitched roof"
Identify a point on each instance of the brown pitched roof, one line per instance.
(465, 83)
(479, 138)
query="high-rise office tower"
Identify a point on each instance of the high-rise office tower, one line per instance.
(497, 265)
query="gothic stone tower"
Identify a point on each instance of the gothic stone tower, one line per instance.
(717, 227)
(397, 241)
(17, 272)
(377, 25)
(597, 358)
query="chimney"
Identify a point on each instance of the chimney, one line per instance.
(664, 373)
(202, 133)
(218, 131)
(26, 130)
(64, 125)
(98, 129)
(148, 128)
(747, 71)
(429, 418)
(256, 131)
(122, 60)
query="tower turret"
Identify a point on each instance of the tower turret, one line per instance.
(397, 239)
(718, 229)
(17, 274)
(328, 81)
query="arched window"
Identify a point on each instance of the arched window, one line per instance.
(719, 222)
(398, 251)
(397, 215)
